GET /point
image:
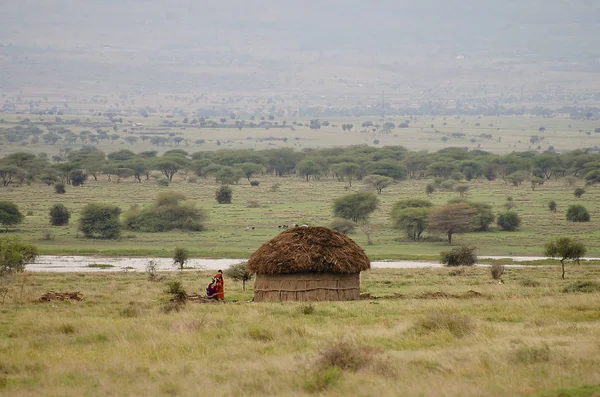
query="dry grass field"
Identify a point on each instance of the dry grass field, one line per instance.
(425, 332)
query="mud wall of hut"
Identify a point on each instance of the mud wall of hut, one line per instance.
(307, 287)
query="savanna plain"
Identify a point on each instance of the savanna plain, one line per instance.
(415, 332)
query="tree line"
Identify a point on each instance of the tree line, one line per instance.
(450, 165)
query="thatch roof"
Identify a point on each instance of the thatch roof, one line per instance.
(309, 249)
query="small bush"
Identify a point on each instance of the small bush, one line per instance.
(579, 192)
(175, 288)
(345, 355)
(224, 195)
(59, 215)
(59, 188)
(321, 380)
(47, 236)
(180, 257)
(532, 354)
(448, 185)
(578, 213)
(430, 188)
(456, 324)
(192, 179)
(151, 270)
(307, 309)
(552, 206)
(162, 182)
(582, 286)
(509, 221)
(463, 255)
(344, 226)
(254, 183)
(497, 270)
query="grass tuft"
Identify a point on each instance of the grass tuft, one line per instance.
(346, 355)
(458, 325)
(318, 381)
(532, 354)
(582, 286)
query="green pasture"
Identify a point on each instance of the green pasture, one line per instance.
(296, 202)
(432, 332)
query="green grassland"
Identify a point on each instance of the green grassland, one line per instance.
(298, 201)
(421, 332)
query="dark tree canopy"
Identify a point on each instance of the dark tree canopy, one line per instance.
(10, 214)
(100, 221)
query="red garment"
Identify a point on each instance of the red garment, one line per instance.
(220, 286)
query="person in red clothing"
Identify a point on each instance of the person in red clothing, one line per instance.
(220, 285)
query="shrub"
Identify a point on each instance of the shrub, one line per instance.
(162, 181)
(166, 213)
(456, 324)
(259, 333)
(59, 188)
(430, 188)
(100, 221)
(275, 187)
(15, 255)
(307, 309)
(552, 206)
(180, 257)
(224, 195)
(579, 192)
(239, 272)
(344, 226)
(254, 183)
(10, 214)
(78, 177)
(509, 221)
(345, 355)
(448, 185)
(463, 255)
(582, 286)
(578, 213)
(497, 270)
(59, 215)
(175, 288)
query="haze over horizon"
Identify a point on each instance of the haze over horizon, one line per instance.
(454, 48)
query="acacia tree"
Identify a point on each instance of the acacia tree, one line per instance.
(239, 272)
(356, 206)
(566, 249)
(451, 218)
(378, 182)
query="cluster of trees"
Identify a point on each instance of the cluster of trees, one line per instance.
(343, 164)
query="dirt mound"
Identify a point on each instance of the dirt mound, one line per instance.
(61, 296)
(435, 295)
(470, 294)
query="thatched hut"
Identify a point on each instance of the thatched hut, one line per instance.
(308, 264)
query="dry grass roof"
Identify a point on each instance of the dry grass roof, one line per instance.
(309, 249)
